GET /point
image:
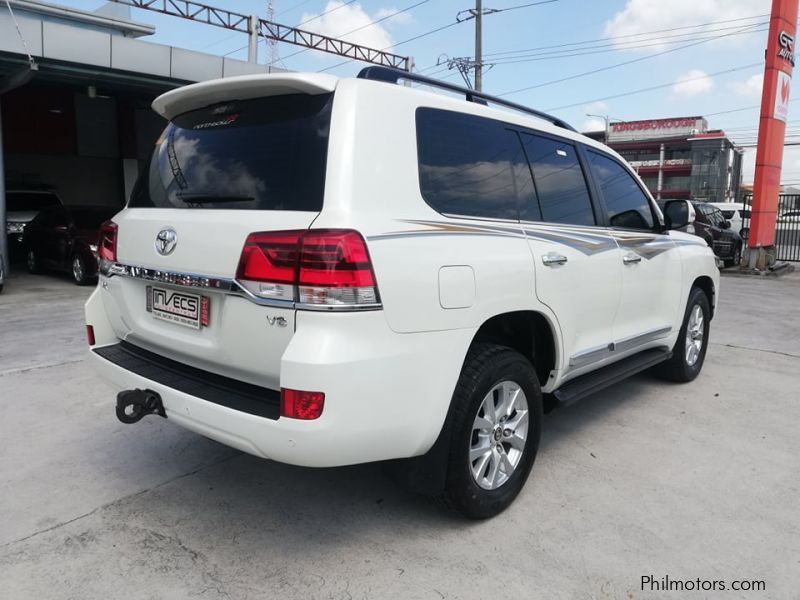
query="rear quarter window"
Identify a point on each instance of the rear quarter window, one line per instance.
(470, 166)
(261, 154)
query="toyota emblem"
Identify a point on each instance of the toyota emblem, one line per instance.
(166, 240)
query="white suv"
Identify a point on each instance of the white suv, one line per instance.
(327, 271)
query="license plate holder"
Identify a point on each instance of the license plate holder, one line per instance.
(179, 307)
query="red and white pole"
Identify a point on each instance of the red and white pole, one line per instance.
(772, 130)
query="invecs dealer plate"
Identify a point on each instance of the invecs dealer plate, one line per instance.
(176, 307)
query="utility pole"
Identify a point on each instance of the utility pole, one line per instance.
(479, 45)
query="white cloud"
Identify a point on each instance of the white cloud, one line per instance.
(593, 124)
(641, 16)
(693, 83)
(342, 19)
(751, 88)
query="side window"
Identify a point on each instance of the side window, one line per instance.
(469, 165)
(626, 203)
(560, 184)
(701, 214)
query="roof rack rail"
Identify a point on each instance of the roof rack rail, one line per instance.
(390, 75)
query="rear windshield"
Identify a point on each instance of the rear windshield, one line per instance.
(728, 214)
(262, 154)
(19, 201)
(91, 218)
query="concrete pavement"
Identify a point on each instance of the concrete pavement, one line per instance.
(645, 478)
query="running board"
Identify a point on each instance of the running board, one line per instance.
(595, 381)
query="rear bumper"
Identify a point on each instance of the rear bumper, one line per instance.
(386, 394)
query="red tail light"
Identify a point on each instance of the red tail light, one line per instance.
(301, 405)
(90, 335)
(327, 267)
(107, 248)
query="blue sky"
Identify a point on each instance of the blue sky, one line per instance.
(710, 76)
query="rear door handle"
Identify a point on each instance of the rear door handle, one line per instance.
(630, 259)
(551, 259)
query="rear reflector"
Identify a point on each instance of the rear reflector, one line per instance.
(107, 248)
(297, 404)
(326, 267)
(90, 335)
(205, 317)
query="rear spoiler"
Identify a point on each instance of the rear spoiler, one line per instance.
(199, 95)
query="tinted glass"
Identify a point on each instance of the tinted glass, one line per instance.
(745, 214)
(728, 214)
(470, 165)
(560, 183)
(626, 203)
(262, 154)
(19, 201)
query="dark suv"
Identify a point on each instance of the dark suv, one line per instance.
(715, 229)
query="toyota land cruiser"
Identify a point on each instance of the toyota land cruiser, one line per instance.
(327, 271)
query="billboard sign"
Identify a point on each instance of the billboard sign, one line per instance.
(656, 128)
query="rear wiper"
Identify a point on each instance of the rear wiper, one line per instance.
(209, 198)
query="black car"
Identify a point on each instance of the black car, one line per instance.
(715, 229)
(22, 206)
(65, 239)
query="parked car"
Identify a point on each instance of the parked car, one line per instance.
(65, 239)
(712, 226)
(738, 214)
(21, 207)
(327, 271)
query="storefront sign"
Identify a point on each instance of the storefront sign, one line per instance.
(655, 128)
(672, 162)
(786, 50)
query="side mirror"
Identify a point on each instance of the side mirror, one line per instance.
(678, 214)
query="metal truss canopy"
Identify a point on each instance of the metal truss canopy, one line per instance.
(219, 17)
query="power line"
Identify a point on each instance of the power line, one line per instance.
(291, 8)
(438, 29)
(327, 12)
(370, 24)
(411, 39)
(615, 66)
(656, 87)
(599, 49)
(619, 37)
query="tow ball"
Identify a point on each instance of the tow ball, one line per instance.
(133, 405)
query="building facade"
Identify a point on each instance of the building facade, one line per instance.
(679, 158)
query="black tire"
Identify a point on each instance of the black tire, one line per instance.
(78, 270)
(486, 366)
(736, 259)
(32, 262)
(678, 368)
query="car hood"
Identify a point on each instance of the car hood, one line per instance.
(21, 216)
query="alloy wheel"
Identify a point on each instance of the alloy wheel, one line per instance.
(499, 433)
(694, 335)
(77, 269)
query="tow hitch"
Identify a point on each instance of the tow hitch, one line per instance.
(133, 405)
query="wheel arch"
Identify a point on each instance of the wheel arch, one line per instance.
(528, 332)
(706, 284)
